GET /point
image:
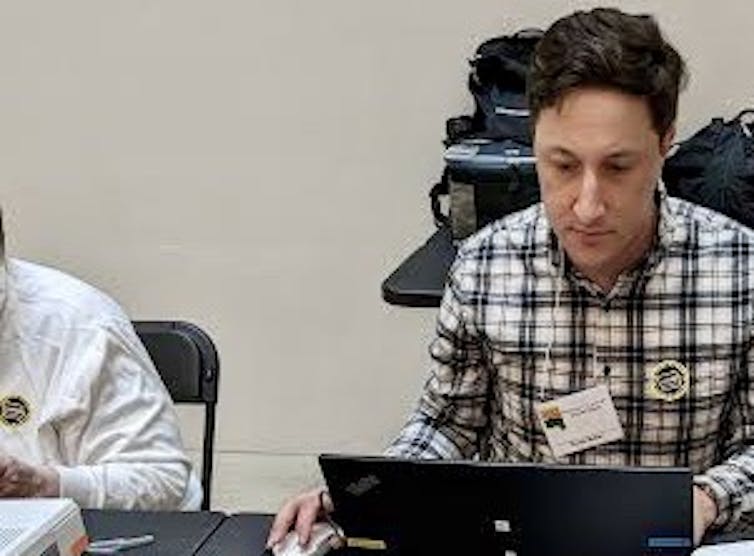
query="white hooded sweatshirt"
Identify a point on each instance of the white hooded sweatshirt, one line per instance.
(78, 392)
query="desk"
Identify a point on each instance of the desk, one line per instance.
(420, 279)
(246, 535)
(720, 538)
(176, 533)
(240, 535)
(214, 534)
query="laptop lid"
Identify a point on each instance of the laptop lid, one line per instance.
(423, 507)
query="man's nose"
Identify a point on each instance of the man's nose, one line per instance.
(589, 206)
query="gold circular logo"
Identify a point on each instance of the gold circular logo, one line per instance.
(669, 381)
(14, 411)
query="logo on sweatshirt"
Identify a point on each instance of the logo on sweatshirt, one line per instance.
(14, 411)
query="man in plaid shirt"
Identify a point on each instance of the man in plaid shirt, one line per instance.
(606, 286)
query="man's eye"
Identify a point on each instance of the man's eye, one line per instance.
(618, 168)
(565, 167)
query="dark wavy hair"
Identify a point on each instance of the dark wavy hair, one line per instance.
(607, 48)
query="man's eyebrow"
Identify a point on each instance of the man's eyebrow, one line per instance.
(617, 154)
(623, 154)
(558, 151)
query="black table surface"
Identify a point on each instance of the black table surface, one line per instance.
(215, 534)
(176, 533)
(420, 279)
(246, 535)
(239, 534)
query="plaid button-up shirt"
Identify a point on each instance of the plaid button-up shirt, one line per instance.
(518, 325)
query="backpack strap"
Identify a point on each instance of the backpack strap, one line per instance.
(746, 119)
(529, 33)
(438, 190)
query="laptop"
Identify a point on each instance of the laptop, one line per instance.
(400, 506)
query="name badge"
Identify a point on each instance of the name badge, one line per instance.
(580, 421)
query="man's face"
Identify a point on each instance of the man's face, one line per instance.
(598, 162)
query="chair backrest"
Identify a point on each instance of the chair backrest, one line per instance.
(187, 361)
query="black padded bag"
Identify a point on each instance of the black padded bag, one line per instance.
(497, 177)
(715, 168)
(497, 81)
(483, 182)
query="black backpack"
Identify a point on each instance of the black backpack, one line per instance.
(484, 181)
(497, 81)
(489, 168)
(715, 168)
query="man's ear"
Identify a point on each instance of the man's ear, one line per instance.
(666, 141)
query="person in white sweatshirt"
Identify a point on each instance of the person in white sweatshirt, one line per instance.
(83, 412)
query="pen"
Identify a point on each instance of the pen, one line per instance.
(113, 546)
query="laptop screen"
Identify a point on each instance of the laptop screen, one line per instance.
(424, 507)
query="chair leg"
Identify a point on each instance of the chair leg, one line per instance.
(207, 454)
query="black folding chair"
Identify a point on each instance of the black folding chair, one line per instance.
(187, 361)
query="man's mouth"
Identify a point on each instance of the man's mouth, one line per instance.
(590, 233)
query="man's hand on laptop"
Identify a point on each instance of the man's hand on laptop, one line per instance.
(300, 513)
(23, 480)
(705, 512)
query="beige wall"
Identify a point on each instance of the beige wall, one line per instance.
(259, 168)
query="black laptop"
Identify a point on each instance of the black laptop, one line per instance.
(458, 507)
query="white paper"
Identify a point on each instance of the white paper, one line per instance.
(741, 548)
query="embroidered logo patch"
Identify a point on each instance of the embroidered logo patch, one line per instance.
(14, 411)
(668, 381)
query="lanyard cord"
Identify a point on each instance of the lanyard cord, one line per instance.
(549, 364)
(559, 278)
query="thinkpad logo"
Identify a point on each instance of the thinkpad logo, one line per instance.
(363, 485)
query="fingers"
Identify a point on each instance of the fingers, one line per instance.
(301, 513)
(328, 506)
(283, 521)
(5, 462)
(705, 513)
(307, 515)
(698, 528)
(22, 480)
(11, 477)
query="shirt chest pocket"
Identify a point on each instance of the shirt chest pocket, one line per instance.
(689, 401)
(707, 378)
(713, 379)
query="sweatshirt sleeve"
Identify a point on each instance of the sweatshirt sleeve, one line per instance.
(118, 433)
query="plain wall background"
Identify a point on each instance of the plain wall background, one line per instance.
(259, 168)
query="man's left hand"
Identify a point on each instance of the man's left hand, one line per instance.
(705, 512)
(22, 480)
